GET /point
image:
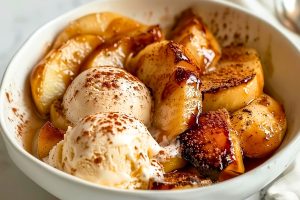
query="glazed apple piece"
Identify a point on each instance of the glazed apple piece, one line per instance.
(116, 51)
(106, 24)
(171, 159)
(52, 75)
(209, 145)
(48, 137)
(242, 56)
(236, 81)
(57, 117)
(180, 179)
(173, 163)
(261, 126)
(193, 34)
(168, 70)
(236, 167)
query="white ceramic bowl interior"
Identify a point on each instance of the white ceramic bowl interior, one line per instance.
(229, 23)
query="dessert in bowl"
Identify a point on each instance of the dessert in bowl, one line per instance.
(230, 25)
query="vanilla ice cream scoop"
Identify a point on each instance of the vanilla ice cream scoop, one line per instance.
(111, 149)
(107, 89)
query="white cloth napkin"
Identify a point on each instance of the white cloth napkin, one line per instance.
(287, 185)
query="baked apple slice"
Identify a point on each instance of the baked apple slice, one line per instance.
(236, 167)
(236, 81)
(170, 73)
(51, 76)
(261, 126)
(210, 146)
(105, 24)
(57, 116)
(116, 51)
(244, 56)
(173, 163)
(171, 159)
(193, 34)
(48, 137)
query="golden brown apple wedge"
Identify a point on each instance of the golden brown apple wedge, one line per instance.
(231, 87)
(236, 167)
(51, 76)
(171, 159)
(261, 126)
(105, 24)
(116, 51)
(114, 54)
(210, 145)
(166, 68)
(236, 81)
(57, 116)
(173, 163)
(244, 56)
(193, 34)
(48, 137)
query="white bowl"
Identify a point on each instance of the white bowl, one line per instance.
(230, 23)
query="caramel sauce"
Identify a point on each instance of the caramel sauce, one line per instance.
(251, 163)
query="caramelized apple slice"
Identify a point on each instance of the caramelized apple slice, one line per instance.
(181, 179)
(243, 56)
(48, 137)
(208, 145)
(173, 163)
(170, 158)
(261, 126)
(50, 78)
(166, 68)
(116, 52)
(236, 167)
(57, 116)
(106, 24)
(230, 87)
(192, 33)
(236, 81)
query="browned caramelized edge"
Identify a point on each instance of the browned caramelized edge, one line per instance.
(226, 77)
(136, 40)
(50, 128)
(186, 19)
(180, 179)
(207, 155)
(179, 77)
(179, 54)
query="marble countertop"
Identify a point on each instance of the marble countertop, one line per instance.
(18, 20)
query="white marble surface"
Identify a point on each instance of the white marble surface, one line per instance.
(18, 19)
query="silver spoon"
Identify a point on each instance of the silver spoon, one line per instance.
(288, 12)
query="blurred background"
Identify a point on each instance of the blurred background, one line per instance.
(19, 19)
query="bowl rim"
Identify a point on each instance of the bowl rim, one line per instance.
(254, 172)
